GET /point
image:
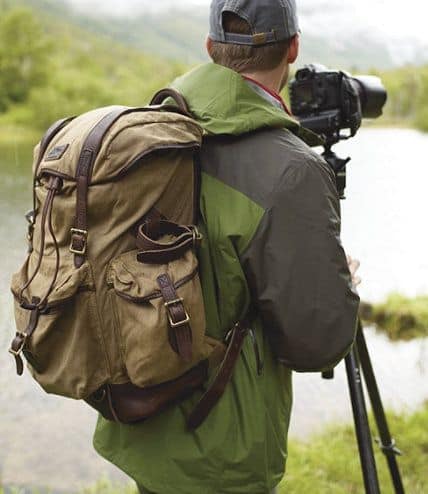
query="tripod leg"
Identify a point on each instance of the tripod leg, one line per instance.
(365, 446)
(387, 444)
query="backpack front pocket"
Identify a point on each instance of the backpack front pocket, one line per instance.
(65, 353)
(160, 317)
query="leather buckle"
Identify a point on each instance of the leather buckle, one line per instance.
(172, 323)
(83, 237)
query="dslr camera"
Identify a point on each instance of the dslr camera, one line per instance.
(333, 104)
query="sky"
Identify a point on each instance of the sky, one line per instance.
(394, 18)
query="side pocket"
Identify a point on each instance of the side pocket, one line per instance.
(65, 353)
(150, 355)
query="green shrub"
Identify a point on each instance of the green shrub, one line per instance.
(402, 318)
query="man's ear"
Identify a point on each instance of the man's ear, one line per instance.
(293, 50)
(208, 45)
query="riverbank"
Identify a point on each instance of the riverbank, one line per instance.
(400, 317)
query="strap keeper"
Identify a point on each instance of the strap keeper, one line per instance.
(79, 241)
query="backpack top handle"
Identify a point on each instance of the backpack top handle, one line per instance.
(166, 93)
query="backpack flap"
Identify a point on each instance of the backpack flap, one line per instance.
(133, 136)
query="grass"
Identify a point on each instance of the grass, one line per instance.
(400, 317)
(329, 463)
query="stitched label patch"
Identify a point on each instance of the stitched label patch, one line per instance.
(57, 153)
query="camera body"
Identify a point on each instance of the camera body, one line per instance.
(329, 101)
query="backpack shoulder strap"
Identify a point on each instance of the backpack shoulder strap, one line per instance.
(88, 156)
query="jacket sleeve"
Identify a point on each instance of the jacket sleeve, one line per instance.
(298, 273)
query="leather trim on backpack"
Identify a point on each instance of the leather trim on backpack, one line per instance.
(127, 403)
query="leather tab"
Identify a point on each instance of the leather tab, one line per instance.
(179, 319)
(21, 338)
(19, 365)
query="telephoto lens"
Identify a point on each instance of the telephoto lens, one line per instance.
(373, 95)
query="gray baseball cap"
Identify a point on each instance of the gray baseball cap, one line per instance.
(271, 21)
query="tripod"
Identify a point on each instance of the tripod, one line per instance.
(358, 359)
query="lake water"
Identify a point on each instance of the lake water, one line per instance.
(47, 441)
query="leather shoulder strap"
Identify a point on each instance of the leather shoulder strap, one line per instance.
(224, 374)
(88, 155)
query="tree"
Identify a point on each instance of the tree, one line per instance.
(24, 56)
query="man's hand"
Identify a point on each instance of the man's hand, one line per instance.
(354, 265)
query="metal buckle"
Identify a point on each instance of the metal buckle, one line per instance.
(17, 353)
(30, 216)
(171, 321)
(197, 236)
(229, 334)
(259, 38)
(173, 302)
(83, 233)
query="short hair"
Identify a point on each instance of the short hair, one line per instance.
(243, 58)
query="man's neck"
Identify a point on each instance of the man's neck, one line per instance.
(266, 93)
(273, 79)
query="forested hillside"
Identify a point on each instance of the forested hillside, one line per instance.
(51, 66)
(176, 31)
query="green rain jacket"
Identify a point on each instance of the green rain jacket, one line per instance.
(271, 219)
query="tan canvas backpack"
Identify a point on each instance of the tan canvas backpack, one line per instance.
(108, 304)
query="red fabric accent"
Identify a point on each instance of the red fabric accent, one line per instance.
(274, 94)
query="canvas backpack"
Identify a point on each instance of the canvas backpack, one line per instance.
(108, 304)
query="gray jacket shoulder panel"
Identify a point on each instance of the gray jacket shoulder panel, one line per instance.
(295, 265)
(257, 162)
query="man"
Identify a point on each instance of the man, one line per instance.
(270, 216)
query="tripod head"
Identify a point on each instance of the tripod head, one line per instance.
(338, 165)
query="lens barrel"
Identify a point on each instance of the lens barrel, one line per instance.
(372, 94)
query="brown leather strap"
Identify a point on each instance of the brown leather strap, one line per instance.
(224, 374)
(128, 404)
(179, 320)
(152, 220)
(166, 93)
(21, 337)
(88, 155)
(154, 251)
